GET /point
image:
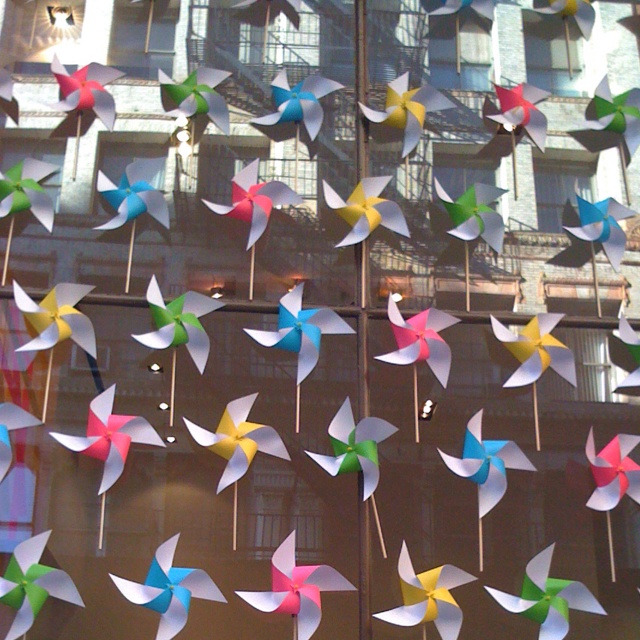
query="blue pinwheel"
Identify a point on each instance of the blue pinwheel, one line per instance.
(168, 590)
(300, 104)
(599, 223)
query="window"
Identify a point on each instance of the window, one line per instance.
(556, 180)
(546, 57)
(131, 24)
(456, 169)
(475, 53)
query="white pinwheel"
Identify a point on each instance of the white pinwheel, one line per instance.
(27, 584)
(169, 590)
(632, 342)
(427, 598)
(296, 589)
(12, 418)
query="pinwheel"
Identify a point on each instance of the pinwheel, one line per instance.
(537, 350)
(296, 589)
(169, 590)
(53, 320)
(12, 418)
(133, 197)
(484, 8)
(619, 116)
(364, 210)
(546, 600)
(109, 437)
(84, 90)
(178, 323)
(20, 190)
(628, 336)
(196, 96)
(427, 597)
(615, 474)
(485, 462)
(27, 584)
(252, 202)
(406, 109)
(356, 451)
(7, 102)
(599, 223)
(295, 4)
(582, 12)
(300, 332)
(474, 218)
(238, 441)
(518, 112)
(418, 339)
(300, 104)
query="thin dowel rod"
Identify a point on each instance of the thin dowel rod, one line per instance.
(466, 277)
(130, 261)
(174, 361)
(612, 561)
(267, 19)
(568, 44)
(595, 281)
(415, 402)
(480, 545)
(424, 631)
(376, 517)
(235, 516)
(535, 416)
(514, 163)
(407, 191)
(297, 408)
(8, 251)
(77, 149)
(149, 24)
(252, 271)
(458, 43)
(295, 627)
(47, 384)
(31, 39)
(102, 511)
(295, 171)
(625, 177)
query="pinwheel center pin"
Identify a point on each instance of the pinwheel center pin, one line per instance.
(547, 598)
(18, 186)
(294, 95)
(349, 448)
(24, 583)
(620, 469)
(299, 326)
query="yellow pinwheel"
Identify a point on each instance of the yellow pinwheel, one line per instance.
(427, 598)
(365, 210)
(406, 109)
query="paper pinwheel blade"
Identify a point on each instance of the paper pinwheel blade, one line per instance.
(12, 418)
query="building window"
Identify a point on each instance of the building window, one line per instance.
(556, 181)
(545, 48)
(475, 53)
(456, 169)
(129, 37)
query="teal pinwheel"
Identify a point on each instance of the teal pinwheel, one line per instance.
(27, 584)
(546, 600)
(197, 96)
(169, 590)
(355, 447)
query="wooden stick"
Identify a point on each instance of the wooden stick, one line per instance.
(480, 545)
(458, 43)
(383, 547)
(127, 283)
(252, 271)
(173, 386)
(77, 150)
(266, 32)
(611, 557)
(424, 631)
(514, 161)
(406, 177)
(47, 384)
(235, 516)
(567, 41)
(295, 627)
(102, 510)
(297, 408)
(415, 402)
(535, 416)
(8, 251)
(149, 24)
(295, 174)
(363, 270)
(595, 281)
(466, 277)
(31, 39)
(625, 177)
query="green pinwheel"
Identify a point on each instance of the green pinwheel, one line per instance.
(355, 447)
(547, 600)
(197, 96)
(27, 584)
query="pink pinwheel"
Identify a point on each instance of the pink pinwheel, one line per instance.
(296, 589)
(108, 438)
(615, 474)
(418, 339)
